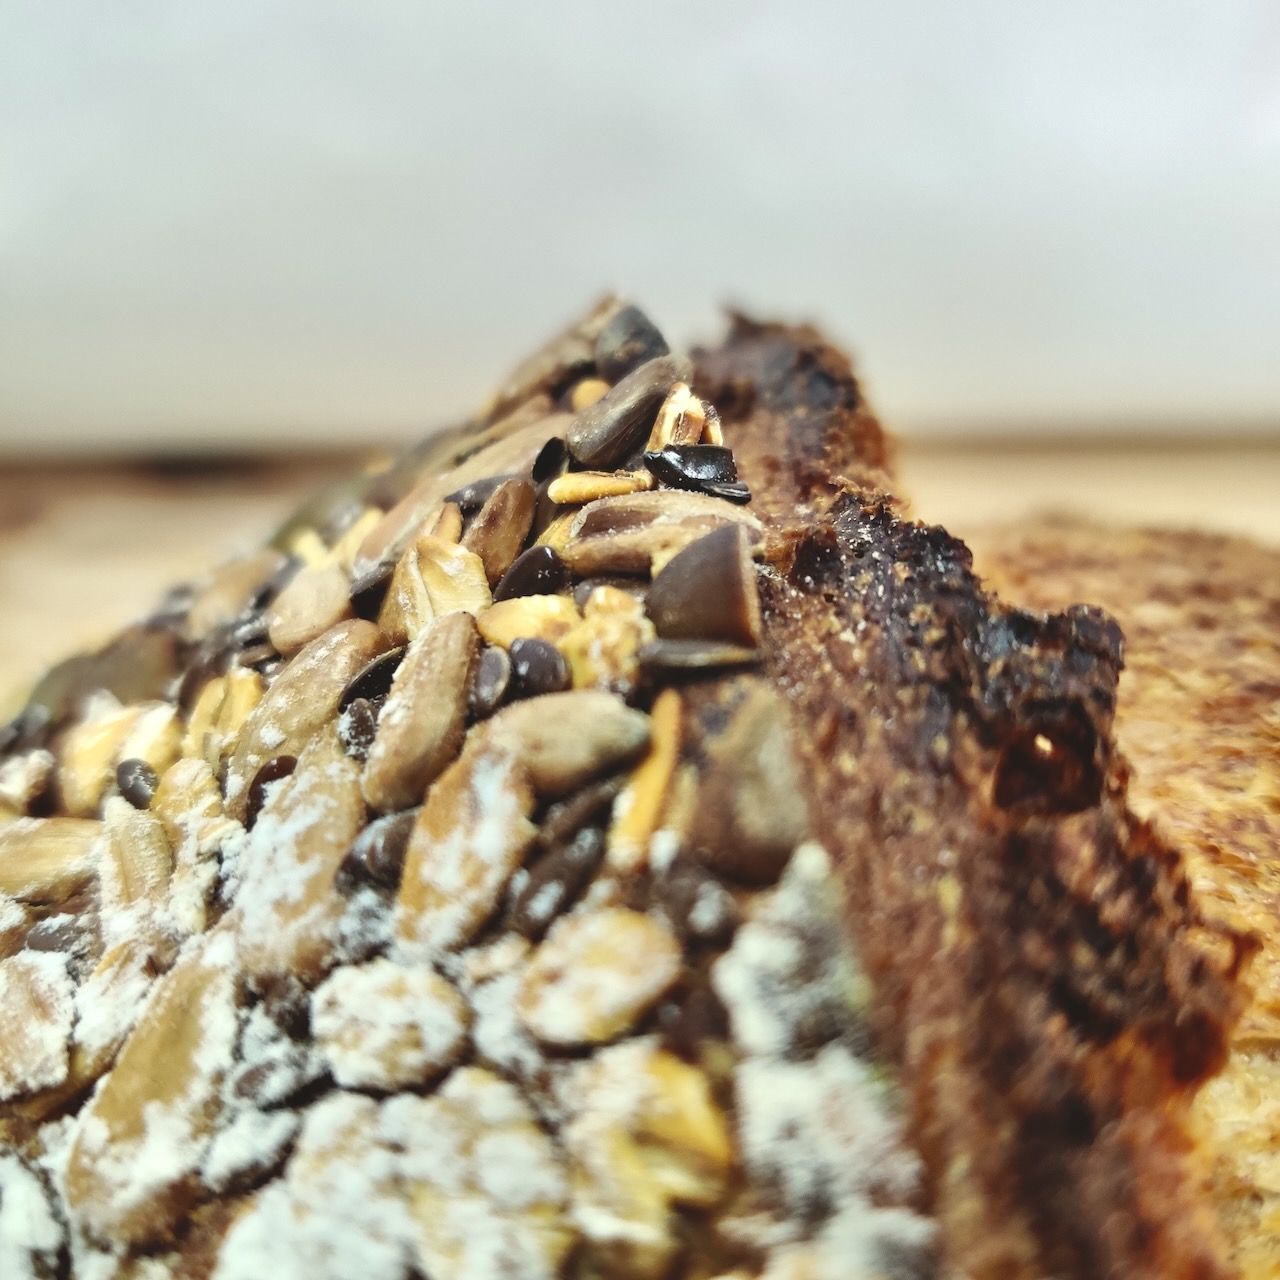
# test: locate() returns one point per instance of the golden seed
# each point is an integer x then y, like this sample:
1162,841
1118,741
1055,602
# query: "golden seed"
88,758
308,546
711,432
556,535
639,807
48,860
447,524
586,393
528,617
586,486
679,421
596,975
312,601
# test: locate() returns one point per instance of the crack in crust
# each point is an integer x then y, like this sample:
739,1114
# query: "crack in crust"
1044,978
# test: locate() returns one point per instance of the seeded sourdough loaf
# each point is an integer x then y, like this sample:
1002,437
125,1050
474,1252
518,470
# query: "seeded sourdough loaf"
612,842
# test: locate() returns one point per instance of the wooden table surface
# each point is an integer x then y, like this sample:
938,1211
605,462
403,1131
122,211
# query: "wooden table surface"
84,549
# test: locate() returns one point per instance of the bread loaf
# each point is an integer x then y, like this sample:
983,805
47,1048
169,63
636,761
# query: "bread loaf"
614,841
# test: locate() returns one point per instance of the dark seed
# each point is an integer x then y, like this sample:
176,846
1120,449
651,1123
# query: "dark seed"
279,1080
544,511
137,782
633,461
139,665
372,681
536,572
550,460
332,523
694,655
564,819
270,669
258,655
700,908
377,855
370,588
247,636
208,660
171,613
708,591
31,728
242,642
554,365
272,771
250,630
735,491
357,727
57,933
492,675
276,583
602,435
690,466
471,497
698,1020
555,880
752,808
287,1003
627,341
537,666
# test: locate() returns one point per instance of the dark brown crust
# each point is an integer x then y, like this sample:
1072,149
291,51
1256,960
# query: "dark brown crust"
1044,979
792,373
1202,615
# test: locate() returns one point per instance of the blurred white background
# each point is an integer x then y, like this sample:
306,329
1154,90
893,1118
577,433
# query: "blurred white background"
254,222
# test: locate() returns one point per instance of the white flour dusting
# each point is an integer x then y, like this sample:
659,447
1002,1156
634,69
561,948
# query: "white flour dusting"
30,1235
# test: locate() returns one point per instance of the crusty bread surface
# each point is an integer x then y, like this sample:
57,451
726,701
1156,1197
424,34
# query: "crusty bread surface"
1199,721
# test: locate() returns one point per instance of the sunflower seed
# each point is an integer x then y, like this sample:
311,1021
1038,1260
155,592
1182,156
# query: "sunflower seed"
751,809
471,497
695,655
610,429
564,740
628,340
302,699
708,592
420,727
500,526
545,616
315,599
